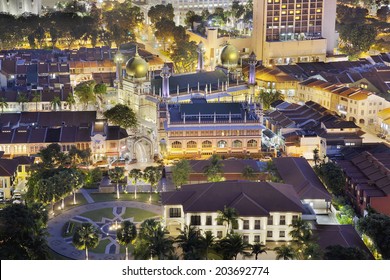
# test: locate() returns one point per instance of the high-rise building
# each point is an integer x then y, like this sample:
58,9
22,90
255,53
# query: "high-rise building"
18,7
286,31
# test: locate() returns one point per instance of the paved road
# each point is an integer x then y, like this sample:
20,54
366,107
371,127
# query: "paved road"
64,246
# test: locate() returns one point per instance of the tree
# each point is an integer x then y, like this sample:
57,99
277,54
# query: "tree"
268,96
23,232
100,90
152,174
126,234
160,12
249,173
181,173
184,55
54,35
122,115
56,103
333,177
135,174
258,249
86,237
153,242
84,92
36,98
357,38
164,31
214,171
284,252
21,99
377,228
189,241
3,104
229,216
232,245
337,252
316,156
207,242
70,100
116,175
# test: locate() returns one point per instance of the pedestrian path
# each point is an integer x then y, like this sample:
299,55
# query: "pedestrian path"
64,246
85,193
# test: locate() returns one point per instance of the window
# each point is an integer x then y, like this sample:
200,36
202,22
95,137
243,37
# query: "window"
191,145
269,233
282,233
270,220
176,145
219,234
246,224
252,143
282,220
257,224
219,223
237,144
195,220
174,212
294,218
208,221
245,238
206,144
222,144
256,239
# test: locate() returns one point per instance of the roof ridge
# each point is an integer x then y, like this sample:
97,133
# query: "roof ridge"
273,185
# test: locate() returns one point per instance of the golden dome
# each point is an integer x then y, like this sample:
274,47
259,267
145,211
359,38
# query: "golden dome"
229,55
137,67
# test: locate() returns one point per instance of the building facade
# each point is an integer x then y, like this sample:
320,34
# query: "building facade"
290,31
18,7
260,219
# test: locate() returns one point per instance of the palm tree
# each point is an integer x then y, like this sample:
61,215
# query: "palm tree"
22,98
249,173
207,242
312,252
153,236
214,171
232,245
36,98
56,102
135,174
301,232
228,216
3,104
86,237
189,241
70,101
152,174
258,249
116,175
284,252
126,234
316,156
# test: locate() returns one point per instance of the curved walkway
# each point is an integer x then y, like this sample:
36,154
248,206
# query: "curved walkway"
62,245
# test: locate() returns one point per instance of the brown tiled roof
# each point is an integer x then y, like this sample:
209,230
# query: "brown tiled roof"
343,235
228,165
297,172
248,198
8,167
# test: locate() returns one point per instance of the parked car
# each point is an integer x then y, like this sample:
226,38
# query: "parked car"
381,135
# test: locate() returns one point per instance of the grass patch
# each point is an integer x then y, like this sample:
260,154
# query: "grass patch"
101,247
96,215
138,214
68,229
141,197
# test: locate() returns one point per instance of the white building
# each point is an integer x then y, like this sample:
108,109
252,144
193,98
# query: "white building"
18,7
265,209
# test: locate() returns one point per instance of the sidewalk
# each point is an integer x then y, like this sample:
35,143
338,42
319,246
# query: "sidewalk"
63,246
86,195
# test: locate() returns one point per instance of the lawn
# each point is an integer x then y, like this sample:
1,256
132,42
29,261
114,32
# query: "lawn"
141,197
80,200
96,215
101,247
138,214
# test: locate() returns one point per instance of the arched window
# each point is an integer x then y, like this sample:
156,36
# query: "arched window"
237,144
176,145
192,145
207,144
252,143
222,144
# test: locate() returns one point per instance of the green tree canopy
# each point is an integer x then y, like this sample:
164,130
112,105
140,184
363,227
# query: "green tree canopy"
214,170
84,92
159,12
86,237
181,172
338,252
122,115
126,234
